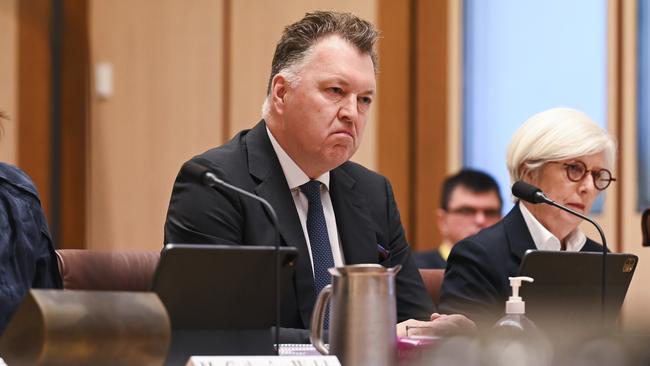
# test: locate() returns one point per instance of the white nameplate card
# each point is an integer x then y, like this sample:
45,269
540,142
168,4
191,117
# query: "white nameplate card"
263,361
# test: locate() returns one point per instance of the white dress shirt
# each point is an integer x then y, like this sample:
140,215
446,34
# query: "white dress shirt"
545,240
295,178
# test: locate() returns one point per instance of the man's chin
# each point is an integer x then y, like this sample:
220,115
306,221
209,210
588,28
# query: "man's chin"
339,155
335,163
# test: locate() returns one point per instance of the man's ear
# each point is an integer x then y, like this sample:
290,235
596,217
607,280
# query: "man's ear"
441,215
279,88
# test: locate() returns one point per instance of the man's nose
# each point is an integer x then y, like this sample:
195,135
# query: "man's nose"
348,110
480,218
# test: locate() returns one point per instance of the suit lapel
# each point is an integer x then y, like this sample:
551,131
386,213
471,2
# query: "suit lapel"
519,238
353,221
273,186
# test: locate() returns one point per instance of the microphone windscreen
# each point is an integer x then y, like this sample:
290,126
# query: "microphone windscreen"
527,192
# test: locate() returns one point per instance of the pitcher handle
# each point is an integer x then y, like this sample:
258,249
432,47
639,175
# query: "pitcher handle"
318,318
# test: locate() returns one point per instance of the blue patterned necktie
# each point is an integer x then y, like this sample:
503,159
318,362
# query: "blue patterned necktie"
321,251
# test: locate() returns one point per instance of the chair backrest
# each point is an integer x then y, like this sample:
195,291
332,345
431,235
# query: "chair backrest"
645,227
432,279
83,269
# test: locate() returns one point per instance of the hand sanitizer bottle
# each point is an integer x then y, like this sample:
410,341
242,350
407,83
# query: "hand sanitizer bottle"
515,339
516,309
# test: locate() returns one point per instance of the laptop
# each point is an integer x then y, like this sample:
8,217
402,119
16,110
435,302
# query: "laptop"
566,291
220,287
220,299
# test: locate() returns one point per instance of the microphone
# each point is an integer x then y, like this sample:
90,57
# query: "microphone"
208,178
528,192
534,195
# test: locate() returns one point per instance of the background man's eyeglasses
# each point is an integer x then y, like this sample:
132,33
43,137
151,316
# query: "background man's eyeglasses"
467,211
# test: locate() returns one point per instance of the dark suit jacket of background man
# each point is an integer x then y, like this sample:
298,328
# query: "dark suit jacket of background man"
366,215
476,279
431,259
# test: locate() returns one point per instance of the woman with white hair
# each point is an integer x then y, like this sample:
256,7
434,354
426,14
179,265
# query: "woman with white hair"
570,158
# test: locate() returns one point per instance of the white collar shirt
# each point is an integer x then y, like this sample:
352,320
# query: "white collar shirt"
295,178
545,240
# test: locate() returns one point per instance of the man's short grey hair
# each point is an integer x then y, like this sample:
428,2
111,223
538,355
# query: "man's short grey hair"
557,134
292,75
296,44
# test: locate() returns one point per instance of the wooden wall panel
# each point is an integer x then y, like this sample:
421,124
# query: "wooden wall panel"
8,80
33,94
637,302
166,107
395,103
74,119
431,115
455,87
611,210
255,32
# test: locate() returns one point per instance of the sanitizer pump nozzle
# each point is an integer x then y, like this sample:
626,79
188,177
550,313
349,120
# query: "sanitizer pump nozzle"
515,304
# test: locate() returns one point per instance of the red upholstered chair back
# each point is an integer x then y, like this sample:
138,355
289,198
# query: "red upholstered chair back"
110,271
432,279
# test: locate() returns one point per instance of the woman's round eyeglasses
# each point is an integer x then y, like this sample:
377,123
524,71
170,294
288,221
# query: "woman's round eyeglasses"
577,170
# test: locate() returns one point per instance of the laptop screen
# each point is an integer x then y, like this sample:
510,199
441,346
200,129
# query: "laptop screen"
567,286
207,286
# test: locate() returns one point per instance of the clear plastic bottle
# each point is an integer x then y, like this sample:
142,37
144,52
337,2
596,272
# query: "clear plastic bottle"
515,317
515,339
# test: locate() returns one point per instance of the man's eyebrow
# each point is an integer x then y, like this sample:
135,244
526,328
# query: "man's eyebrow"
344,82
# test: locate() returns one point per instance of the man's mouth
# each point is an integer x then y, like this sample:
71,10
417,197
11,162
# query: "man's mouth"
342,132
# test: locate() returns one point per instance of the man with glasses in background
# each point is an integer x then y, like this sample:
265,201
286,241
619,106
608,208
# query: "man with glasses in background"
469,202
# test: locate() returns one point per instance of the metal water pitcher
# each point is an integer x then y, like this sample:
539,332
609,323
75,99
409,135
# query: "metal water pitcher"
362,315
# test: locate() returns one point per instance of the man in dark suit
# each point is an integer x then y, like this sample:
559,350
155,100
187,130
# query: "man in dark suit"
334,211
470,201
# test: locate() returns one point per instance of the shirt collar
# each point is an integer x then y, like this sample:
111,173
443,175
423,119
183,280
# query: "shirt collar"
444,249
292,172
545,240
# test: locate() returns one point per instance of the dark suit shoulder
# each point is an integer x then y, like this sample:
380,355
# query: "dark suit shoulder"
246,160
19,181
491,241
592,246
229,157
487,251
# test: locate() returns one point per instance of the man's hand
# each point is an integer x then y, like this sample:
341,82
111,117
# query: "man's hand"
438,326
